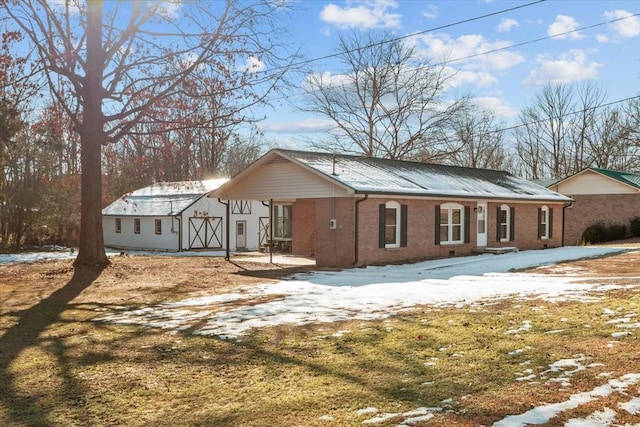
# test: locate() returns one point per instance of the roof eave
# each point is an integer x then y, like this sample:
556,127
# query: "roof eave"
563,199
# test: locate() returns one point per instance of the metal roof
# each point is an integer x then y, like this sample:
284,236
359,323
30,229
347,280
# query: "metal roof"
396,177
624,177
162,198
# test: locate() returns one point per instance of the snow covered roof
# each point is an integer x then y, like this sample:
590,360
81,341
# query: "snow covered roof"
162,198
383,176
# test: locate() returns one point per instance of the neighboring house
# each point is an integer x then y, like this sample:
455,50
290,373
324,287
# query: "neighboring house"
176,216
350,210
600,195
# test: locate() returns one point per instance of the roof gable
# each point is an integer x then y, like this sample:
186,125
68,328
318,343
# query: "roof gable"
623,177
162,198
598,181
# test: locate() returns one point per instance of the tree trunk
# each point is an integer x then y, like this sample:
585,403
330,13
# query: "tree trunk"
91,243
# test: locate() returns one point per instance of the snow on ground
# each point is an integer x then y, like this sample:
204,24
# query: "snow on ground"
366,293
67,253
378,292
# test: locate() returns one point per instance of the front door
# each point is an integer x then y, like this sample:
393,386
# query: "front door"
241,234
481,214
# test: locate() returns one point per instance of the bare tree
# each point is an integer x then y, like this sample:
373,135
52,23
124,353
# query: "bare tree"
123,61
481,138
387,104
547,132
566,130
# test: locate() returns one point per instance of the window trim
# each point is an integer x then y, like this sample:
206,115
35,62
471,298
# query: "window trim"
506,224
510,223
449,208
396,206
158,226
545,228
402,220
136,226
276,208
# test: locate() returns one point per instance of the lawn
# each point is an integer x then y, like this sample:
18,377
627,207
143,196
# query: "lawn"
566,360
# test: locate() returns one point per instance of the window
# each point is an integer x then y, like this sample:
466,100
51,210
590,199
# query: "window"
240,207
545,223
392,225
118,225
506,224
282,222
451,220
136,225
452,224
158,226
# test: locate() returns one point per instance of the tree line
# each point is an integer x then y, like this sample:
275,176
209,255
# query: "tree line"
98,102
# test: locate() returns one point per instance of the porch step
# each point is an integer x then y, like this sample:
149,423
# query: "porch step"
496,251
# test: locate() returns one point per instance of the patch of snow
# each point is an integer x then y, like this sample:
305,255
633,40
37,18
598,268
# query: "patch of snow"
367,411
597,419
632,406
378,420
543,414
621,334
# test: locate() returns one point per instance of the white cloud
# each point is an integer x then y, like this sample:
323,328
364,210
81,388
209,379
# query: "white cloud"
564,24
430,12
366,14
253,64
297,127
628,27
169,8
439,47
456,78
507,24
326,79
499,106
602,38
568,67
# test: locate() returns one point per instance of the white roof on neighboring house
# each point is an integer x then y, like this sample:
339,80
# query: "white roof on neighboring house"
162,198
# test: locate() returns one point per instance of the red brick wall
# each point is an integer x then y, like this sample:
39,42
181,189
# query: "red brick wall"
336,248
526,226
304,227
421,227
591,208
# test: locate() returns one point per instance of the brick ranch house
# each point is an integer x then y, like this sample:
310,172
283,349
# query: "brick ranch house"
353,211
611,197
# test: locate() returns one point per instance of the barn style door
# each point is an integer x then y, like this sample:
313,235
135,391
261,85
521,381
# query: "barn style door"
263,231
205,233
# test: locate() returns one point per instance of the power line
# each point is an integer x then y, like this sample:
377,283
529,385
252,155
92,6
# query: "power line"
549,37
463,58
441,27
571,113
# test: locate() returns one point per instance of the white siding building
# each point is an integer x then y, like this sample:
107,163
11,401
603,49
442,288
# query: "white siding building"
178,216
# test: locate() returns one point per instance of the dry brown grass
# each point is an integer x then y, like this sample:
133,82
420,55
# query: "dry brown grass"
59,367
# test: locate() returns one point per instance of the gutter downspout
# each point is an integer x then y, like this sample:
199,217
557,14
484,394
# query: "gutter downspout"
179,219
566,205
227,228
357,226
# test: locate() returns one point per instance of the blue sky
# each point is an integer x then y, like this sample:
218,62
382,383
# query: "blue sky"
606,54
